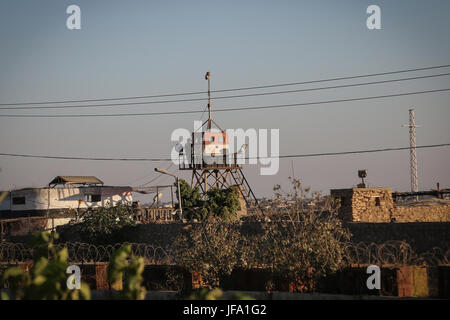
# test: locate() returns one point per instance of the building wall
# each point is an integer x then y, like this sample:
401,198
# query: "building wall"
376,205
66,198
422,236
422,213
365,204
6,202
25,227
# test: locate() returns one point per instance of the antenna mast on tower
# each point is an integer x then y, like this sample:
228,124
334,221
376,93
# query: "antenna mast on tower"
207,76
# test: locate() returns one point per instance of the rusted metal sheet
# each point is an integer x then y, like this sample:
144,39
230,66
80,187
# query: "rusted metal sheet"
101,276
412,281
444,281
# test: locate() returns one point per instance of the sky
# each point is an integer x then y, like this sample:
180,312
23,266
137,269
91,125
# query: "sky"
135,48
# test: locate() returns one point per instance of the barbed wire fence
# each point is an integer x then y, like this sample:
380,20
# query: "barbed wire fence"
87,253
393,253
390,253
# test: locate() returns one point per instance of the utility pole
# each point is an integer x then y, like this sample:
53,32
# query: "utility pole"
207,76
177,180
412,145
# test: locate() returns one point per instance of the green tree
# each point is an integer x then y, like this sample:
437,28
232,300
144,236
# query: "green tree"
103,225
304,243
222,203
47,279
301,244
193,205
210,248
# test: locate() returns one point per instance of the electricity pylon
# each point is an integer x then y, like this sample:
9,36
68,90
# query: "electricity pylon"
412,146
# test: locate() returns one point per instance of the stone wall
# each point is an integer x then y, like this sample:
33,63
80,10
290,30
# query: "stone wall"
365,204
421,213
376,205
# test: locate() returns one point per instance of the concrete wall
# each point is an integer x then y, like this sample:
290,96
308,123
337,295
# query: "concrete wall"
5,204
25,227
421,236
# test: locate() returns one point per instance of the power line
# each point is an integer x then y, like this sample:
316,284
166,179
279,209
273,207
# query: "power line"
220,110
359,151
225,97
155,178
334,79
333,101
246,158
145,177
222,90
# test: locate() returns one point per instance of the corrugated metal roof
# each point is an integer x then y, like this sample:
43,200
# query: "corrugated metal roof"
76,180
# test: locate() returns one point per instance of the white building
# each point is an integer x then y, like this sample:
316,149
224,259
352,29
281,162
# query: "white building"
64,193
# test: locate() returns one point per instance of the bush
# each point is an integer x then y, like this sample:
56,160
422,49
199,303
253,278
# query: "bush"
301,245
308,243
47,279
211,248
223,203
104,225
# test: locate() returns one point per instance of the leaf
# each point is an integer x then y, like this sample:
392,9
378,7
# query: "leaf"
4,296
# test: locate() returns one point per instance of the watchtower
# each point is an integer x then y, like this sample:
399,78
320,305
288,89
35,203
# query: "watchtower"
210,160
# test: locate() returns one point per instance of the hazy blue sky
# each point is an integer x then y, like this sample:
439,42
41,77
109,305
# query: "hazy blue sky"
128,48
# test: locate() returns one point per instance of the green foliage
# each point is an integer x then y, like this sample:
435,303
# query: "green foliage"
103,225
47,279
300,245
193,205
124,265
303,251
210,249
222,203
206,294
241,296
191,196
306,242
216,294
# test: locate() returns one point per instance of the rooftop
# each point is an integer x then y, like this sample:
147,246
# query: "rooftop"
75,180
